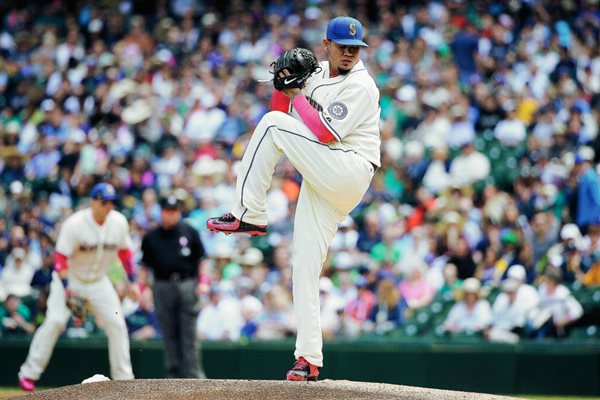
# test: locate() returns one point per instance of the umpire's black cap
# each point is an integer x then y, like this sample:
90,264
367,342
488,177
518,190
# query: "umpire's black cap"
170,203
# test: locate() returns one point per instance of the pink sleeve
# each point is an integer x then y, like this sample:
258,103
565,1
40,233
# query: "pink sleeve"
126,257
60,262
280,102
311,119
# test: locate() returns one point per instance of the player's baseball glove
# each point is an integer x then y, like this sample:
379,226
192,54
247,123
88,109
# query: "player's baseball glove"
300,63
78,306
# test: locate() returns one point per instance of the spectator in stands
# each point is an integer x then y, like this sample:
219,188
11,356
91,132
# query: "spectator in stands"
557,308
511,130
464,46
437,177
281,268
509,252
487,271
590,246
566,255
461,131
253,266
543,233
451,281
588,191
346,237
416,291
142,323
15,316
277,320
460,256
43,163
221,318
433,130
251,309
508,315
511,308
331,303
43,276
16,275
470,166
490,112
388,250
389,311
472,313
147,212
14,165
359,309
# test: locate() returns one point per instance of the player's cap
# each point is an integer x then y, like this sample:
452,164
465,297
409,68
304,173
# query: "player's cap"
170,203
346,31
104,191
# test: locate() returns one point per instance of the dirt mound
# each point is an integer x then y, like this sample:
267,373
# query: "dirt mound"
217,389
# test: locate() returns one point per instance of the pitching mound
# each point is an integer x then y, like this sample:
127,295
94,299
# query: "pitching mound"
217,389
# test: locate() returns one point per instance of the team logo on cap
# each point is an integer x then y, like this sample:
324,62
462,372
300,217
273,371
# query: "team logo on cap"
338,110
352,28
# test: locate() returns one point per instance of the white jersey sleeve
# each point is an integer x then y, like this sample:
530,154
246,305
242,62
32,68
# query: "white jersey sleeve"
125,241
68,239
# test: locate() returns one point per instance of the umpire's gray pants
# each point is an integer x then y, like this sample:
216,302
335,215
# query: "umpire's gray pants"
177,312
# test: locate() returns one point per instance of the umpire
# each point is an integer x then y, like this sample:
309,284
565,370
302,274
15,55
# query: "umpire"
173,252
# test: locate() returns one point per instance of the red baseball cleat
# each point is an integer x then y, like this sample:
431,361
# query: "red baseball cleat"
303,371
230,224
27,384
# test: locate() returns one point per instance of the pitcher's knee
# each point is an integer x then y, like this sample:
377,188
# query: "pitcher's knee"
275,118
274,115
55,324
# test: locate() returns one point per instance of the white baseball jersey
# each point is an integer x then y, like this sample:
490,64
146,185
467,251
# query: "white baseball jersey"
89,247
335,175
348,106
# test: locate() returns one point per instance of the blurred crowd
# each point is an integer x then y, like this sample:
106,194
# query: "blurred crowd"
487,201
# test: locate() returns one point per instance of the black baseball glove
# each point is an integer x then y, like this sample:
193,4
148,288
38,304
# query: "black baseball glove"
300,63
78,306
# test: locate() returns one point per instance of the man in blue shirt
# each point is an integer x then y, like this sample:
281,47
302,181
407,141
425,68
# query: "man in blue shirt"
588,191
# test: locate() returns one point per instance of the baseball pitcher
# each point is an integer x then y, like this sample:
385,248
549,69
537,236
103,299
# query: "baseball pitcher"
326,122
88,242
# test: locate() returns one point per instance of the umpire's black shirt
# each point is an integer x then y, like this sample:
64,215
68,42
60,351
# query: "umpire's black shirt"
172,254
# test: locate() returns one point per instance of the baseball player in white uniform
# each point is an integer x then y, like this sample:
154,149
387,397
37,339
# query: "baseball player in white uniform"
88,242
329,130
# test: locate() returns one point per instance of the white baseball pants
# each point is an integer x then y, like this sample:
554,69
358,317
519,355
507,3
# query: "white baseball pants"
335,179
106,307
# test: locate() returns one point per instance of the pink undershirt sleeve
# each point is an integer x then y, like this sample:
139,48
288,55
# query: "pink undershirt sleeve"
280,102
126,257
311,119
60,262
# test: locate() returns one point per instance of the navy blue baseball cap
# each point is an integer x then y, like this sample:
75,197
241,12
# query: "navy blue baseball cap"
104,191
346,31
170,203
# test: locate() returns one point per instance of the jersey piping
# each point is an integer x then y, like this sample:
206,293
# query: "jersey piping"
258,147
